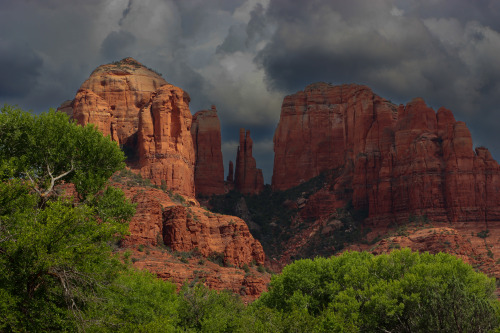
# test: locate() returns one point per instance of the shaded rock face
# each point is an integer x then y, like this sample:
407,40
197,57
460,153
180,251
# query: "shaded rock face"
247,178
147,116
209,168
392,161
230,173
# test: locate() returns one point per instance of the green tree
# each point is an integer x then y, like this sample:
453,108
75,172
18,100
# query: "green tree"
48,148
205,310
402,291
137,301
55,250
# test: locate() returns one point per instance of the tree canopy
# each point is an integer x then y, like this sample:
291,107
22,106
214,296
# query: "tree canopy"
55,249
402,291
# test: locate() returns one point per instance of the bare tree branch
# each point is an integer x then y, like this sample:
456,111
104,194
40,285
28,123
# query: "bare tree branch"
54,179
35,187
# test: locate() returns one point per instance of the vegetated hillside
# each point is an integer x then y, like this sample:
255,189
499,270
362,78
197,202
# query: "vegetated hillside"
285,224
176,239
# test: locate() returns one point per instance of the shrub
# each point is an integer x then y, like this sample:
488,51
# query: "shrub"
483,233
217,258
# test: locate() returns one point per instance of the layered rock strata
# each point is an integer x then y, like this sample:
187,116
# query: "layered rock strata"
148,117
247,178
209,168
112,97
392,161
164,143
160,221
195,237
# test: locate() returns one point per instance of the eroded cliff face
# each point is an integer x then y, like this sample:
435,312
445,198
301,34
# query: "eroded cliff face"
177,240
112,97
164,144
247,178
147,116
391,161
209,169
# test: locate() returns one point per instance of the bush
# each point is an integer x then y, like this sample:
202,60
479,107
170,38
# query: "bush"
483,233
217,258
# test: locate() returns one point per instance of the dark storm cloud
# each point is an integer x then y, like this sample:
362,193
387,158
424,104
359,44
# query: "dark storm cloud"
200,15
117,45
19,69
443,51
126,11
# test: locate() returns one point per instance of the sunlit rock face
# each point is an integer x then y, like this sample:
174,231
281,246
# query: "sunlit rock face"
149,118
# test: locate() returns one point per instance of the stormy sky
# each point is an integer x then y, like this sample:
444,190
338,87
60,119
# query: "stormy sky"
244,56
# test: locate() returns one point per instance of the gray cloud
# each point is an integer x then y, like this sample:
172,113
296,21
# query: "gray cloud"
117,45
125,12
19,67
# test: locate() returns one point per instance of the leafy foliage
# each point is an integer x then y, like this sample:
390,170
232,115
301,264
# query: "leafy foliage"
135,302
48,149
55,252
398,292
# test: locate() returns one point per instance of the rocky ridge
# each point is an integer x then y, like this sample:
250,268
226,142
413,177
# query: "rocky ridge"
390,162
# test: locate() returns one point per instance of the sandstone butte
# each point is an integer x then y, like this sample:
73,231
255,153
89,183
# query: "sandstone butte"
209,169
391,161
147,116
247,178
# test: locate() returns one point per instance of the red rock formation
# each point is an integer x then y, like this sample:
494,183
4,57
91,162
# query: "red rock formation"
150,118
159,221
248,179
165,147
392,161
168,266
185,229
112,97
209,169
